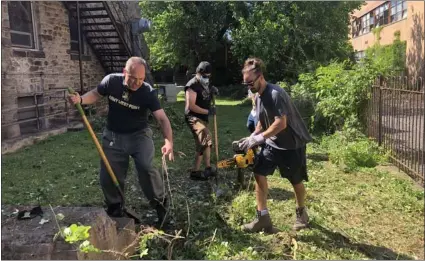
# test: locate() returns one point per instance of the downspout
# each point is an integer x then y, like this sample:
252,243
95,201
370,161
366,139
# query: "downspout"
80,48
138,27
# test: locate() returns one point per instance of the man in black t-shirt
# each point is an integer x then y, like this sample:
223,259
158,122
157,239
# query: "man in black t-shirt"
283,136
198,93
127,133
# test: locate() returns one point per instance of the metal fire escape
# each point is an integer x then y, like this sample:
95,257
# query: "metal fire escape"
108,30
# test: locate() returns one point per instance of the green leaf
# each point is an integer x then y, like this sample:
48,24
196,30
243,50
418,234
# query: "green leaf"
76,233
144,252
60,216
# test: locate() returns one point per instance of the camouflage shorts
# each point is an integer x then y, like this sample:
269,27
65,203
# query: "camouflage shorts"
201,134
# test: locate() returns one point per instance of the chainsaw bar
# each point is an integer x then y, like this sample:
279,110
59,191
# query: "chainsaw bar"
239,160
228,163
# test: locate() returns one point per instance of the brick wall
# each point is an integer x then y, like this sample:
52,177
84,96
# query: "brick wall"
27,72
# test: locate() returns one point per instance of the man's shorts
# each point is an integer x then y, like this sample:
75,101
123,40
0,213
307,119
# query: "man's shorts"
292,164
201,134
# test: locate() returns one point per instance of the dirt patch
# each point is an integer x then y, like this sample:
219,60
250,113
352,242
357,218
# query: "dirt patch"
33,238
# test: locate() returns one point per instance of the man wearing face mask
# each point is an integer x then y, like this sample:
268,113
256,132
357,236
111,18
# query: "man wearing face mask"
283,136
198,93
128,134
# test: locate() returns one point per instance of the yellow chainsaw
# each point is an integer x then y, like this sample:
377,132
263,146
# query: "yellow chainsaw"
239,160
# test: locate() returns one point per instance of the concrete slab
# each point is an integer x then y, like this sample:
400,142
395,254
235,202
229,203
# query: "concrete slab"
30,240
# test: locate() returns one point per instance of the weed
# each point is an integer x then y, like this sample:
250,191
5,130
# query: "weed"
350,151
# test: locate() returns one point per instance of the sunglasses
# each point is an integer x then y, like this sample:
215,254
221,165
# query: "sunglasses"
251,83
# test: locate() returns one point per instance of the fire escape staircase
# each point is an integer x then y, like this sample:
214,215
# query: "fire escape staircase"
107,29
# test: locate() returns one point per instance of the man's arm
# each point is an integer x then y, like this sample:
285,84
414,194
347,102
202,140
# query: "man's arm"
165,124
278,125
191,97
90,97
258,128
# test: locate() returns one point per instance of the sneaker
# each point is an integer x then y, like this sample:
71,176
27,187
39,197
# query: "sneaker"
302,219
210,172
198,175
260,223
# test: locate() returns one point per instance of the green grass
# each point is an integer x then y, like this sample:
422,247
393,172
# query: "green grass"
366,214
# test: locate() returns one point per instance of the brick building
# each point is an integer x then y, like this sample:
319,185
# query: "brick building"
407,17
41,56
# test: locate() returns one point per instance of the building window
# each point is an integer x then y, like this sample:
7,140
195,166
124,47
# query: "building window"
359,55
366,23
355,28
398,10
21,19
73,31
382,14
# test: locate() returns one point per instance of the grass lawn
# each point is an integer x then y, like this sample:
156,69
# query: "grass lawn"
370,214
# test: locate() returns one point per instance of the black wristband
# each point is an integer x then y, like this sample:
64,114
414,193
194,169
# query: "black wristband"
81,100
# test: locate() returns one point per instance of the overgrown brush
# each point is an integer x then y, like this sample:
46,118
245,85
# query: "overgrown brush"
351,150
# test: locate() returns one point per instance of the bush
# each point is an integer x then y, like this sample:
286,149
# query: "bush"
176,117
336,95
351,150
236,91
98,123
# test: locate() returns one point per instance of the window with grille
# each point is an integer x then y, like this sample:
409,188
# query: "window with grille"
398,10
21,24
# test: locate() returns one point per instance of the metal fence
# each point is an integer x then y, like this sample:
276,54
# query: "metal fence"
396,120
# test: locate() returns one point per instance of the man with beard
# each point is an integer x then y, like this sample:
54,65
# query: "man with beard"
282,135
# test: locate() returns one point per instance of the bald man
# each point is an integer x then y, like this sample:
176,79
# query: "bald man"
127,134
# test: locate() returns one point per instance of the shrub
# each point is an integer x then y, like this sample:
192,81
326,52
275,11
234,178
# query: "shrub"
98,123
236,91
351,150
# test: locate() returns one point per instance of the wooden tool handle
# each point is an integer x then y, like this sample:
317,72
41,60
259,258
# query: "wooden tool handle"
96,142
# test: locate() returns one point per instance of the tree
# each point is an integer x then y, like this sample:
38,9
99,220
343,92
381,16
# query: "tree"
294,37
185,33
291,37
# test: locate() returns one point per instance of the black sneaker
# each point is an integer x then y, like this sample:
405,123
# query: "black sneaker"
198,175
210,172
115,210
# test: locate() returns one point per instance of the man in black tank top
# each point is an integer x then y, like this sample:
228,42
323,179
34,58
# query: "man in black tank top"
198,93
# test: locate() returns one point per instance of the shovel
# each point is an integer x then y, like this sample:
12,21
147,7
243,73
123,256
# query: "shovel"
129,213
218,191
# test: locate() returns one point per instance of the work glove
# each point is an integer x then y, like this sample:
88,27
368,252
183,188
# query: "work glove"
252,141
236,145
214,90
211,111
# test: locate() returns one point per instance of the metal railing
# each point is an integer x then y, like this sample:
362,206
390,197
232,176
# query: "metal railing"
119,13
396,120
119,17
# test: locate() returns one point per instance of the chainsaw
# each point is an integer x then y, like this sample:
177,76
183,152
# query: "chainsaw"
239,160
